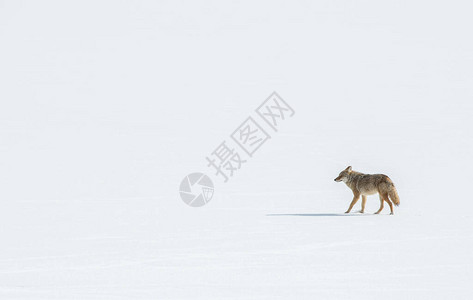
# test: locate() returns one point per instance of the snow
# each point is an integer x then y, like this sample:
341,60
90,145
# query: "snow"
105,107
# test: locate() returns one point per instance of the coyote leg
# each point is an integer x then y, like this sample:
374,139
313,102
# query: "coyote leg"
381,206
355,199
363,203
386,198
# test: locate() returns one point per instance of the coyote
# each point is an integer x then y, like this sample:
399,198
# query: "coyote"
369,184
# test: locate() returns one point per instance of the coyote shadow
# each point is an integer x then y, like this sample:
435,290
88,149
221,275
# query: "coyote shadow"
316,215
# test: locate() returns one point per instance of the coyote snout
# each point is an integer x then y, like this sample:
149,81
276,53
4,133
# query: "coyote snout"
369,184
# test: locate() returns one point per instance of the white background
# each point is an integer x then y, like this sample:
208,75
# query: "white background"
105,106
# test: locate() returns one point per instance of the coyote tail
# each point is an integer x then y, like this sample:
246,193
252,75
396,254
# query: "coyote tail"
394,196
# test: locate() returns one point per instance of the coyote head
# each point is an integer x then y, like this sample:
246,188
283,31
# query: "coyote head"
343,175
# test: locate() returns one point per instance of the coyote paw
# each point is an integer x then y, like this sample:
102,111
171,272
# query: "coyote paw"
376,213
361,211
347,212
392,214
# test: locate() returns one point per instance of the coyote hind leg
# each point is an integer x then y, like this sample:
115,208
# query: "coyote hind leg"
386,198
381,206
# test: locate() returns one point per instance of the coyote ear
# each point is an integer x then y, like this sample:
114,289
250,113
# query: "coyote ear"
348,169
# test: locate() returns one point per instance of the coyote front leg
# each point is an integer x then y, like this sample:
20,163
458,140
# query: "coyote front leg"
363,203
356,196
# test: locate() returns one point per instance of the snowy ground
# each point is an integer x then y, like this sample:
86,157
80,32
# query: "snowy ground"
131,249
106,106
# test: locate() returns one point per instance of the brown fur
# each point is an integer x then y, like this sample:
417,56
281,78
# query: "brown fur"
369,184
